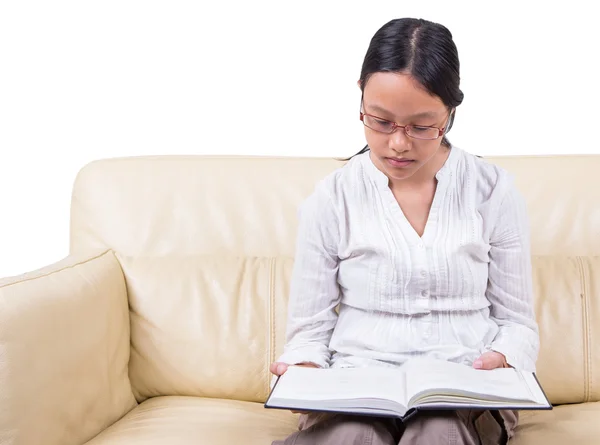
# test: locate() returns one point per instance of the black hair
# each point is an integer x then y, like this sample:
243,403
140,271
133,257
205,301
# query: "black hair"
423,49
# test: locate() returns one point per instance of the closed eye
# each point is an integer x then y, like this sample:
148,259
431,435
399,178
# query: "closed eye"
421,128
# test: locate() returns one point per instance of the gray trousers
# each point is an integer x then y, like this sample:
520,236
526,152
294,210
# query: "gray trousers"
461,427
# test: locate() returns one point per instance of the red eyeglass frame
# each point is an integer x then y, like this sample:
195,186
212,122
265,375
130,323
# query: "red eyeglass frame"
396,126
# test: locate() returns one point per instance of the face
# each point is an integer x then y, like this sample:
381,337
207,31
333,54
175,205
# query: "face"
401,99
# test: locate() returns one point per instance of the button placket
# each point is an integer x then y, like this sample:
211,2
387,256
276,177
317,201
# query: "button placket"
420,285
421,272
428,326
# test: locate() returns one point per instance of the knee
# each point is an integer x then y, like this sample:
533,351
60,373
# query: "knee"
350,427
436,428
359,430
441,426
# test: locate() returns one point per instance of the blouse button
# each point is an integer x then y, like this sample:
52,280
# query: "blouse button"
424,293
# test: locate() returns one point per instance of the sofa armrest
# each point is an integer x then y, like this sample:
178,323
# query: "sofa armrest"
64,352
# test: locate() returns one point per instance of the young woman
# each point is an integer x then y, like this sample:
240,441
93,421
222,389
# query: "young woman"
423,247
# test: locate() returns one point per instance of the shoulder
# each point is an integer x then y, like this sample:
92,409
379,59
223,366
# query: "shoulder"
339,182
497,199
327,202
490,180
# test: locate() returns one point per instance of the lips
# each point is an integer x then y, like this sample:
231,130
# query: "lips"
399,162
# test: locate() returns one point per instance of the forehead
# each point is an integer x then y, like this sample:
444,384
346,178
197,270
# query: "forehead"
401,95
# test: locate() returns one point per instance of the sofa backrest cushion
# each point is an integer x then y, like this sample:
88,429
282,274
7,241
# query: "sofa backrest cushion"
192,231
567,305
205,326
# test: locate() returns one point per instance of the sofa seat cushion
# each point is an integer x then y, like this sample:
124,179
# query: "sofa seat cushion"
193,420
577,424
175,420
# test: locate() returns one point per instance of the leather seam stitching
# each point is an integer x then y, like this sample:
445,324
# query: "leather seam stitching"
588,330
586,333
52,272
272,345
590,336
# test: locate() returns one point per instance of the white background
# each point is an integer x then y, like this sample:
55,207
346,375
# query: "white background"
82,80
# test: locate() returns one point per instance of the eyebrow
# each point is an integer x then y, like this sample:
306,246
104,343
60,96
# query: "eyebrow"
424,114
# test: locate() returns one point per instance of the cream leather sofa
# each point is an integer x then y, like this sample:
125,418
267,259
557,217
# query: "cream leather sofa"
160,325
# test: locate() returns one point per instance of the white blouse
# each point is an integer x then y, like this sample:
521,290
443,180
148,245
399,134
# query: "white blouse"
462,289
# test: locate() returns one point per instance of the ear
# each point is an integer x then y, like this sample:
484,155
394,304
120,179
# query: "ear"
359,83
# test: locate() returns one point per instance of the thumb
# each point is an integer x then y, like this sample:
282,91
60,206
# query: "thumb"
278,368
486,361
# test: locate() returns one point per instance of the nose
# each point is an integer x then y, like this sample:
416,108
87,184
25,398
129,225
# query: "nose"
399,141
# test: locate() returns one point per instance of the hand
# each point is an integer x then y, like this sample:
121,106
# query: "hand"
491,360
280,368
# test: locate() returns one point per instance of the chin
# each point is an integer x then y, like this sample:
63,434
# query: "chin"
404,172
400,175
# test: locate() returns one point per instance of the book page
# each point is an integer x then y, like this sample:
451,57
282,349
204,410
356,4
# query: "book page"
437,376
308,384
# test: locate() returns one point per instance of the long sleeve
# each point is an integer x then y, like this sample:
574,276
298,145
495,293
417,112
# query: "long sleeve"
510,288
314,291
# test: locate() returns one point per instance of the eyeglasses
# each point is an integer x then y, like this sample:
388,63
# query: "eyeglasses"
414,131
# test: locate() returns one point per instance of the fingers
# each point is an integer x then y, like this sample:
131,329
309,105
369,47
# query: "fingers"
479,364
278,368
489,360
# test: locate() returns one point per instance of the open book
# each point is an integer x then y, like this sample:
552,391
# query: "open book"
419,384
